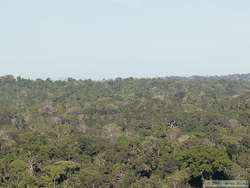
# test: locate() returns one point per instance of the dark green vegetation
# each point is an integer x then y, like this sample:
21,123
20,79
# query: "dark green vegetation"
124,132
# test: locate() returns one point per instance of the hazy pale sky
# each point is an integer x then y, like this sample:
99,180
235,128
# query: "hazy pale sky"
122,38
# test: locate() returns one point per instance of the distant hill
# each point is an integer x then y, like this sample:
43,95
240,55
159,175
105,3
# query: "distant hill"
245,77
237,77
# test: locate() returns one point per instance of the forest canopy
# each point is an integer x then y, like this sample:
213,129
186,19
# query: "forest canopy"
136,133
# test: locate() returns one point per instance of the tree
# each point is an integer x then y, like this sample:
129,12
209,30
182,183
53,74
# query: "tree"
59,171
205,161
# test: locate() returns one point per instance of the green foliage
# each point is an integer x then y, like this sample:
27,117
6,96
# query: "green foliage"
92,177
61,167
18,166
160,132
205,161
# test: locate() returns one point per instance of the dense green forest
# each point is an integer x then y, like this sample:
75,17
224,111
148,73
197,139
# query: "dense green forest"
121,133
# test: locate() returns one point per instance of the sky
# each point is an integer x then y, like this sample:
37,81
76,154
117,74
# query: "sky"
102,39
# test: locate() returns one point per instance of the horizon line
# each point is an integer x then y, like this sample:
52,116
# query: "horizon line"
124,78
